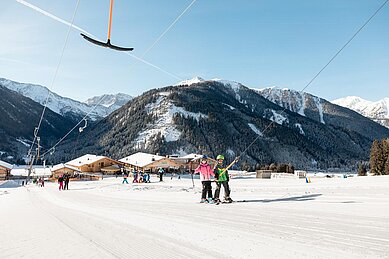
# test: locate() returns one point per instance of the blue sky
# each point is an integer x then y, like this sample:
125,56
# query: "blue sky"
258,43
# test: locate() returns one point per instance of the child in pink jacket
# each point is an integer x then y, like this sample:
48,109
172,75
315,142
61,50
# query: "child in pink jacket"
206,172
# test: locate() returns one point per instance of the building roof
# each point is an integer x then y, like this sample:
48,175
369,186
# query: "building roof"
36,171
5,164
61,166
164,163
190,156
141,159
85,160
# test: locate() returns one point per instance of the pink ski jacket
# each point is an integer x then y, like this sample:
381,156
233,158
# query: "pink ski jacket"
205,171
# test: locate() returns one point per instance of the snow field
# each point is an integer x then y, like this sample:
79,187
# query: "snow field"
280,218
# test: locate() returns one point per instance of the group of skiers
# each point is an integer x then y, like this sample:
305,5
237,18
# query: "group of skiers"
40,182
139,177
63,181
219,174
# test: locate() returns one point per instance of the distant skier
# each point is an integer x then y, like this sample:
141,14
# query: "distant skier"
161,172
205,171
222,178
66,180
146,178
60,181
41,182
135,175
140,177
125,176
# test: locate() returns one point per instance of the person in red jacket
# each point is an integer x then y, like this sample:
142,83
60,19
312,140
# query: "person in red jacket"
206,172
60,181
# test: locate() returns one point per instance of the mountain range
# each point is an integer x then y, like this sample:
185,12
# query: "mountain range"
219,116
201,116
111,101
19,116
68,107
377,111
22,104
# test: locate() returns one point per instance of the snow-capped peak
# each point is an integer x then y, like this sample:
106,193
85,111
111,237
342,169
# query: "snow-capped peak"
192,81
374,110
110,101
55,102
295,101
234,85
351,101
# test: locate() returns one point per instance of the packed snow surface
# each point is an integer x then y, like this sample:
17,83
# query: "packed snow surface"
281,218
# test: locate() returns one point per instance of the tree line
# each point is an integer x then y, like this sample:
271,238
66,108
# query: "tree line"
379,157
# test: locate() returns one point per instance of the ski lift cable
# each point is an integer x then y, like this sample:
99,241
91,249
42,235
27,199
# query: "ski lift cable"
55,76
168,28
52,16
321,70
159,38
135,57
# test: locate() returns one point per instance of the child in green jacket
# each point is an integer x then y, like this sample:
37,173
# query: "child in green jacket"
222,178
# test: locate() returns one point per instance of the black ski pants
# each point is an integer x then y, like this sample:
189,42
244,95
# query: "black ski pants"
66,187
226,187
207,189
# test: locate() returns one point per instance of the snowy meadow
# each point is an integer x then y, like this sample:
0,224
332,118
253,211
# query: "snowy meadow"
271,218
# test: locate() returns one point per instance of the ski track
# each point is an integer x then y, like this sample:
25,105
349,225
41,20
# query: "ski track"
164,220
142,239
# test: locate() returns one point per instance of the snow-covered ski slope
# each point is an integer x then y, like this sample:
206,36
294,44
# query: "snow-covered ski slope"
281,218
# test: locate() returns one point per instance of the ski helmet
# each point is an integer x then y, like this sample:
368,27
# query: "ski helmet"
220,157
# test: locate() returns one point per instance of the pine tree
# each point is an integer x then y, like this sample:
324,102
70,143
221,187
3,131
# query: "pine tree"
385,153
361,170
386,167
376,158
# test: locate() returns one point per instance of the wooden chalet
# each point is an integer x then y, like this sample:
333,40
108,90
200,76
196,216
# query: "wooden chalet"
5,170
145,161
92,163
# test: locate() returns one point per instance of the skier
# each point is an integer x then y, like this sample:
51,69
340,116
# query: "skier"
66,179
146,177
140,177
221,178
161,172
42,182
135,175
205,171
125,175
60,181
